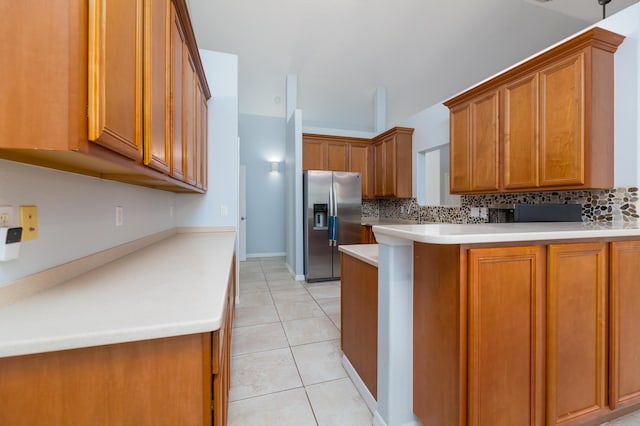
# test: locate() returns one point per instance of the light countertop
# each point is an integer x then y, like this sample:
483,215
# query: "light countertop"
174,287
366,252
505,232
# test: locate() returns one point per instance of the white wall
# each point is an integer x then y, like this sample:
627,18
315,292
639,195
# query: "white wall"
221,70
432,124
262,140
431,130
76,215
627,95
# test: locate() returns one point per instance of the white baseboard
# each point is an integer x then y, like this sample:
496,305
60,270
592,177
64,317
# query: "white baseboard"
293,274
361,387
378,420
278,254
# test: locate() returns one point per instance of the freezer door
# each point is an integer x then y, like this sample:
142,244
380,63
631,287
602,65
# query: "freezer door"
318,255
348,192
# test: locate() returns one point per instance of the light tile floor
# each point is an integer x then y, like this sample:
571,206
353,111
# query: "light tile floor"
286,357
286,363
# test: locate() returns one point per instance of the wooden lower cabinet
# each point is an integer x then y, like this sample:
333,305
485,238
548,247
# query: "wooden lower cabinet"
182,380
367,236
576,332
152,382
624,317
538,334
506,336
359,323
221,364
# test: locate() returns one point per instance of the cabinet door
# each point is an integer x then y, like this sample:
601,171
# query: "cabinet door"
360,161
359,307
576,332
379,170
157,85
337,157
314,155
562,100
389,181
189,121
203,144
178,55
460,148
520,127
506,323
624,373
484,143
115,75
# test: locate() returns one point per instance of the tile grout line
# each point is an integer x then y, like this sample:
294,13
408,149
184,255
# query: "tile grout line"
290,347
295,361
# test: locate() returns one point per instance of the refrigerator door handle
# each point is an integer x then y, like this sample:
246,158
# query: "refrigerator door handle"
331,222
335,215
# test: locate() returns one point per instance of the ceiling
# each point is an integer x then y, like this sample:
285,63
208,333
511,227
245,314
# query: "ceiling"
420,51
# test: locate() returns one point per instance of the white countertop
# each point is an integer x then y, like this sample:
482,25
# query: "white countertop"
366,252
174,287
505,232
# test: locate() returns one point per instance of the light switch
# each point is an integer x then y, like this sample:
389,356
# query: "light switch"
29,222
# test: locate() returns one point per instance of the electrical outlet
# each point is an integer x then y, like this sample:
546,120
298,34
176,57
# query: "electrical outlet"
6,213
483,212
475,212
29,222
119,216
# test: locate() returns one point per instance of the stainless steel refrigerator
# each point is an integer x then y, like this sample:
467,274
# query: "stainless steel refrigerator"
332,217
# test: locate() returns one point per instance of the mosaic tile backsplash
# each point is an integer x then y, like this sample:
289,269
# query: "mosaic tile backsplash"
615,205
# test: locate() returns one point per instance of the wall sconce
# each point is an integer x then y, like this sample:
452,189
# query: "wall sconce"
275,167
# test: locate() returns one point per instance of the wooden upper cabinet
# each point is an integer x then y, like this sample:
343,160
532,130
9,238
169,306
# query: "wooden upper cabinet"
202,123
506,323
392,163
378,171
520,130
157,85
115,75
460,148
105,73
314,155
474,145
484,143
385,167
384,162
361,161
624,316
189,108
178,56
390,166
577,332
562,103
551,119
337,156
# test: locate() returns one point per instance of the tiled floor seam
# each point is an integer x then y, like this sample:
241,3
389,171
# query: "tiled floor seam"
270,393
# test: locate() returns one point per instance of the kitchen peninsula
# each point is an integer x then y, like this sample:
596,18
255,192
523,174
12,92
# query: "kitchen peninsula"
505,324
